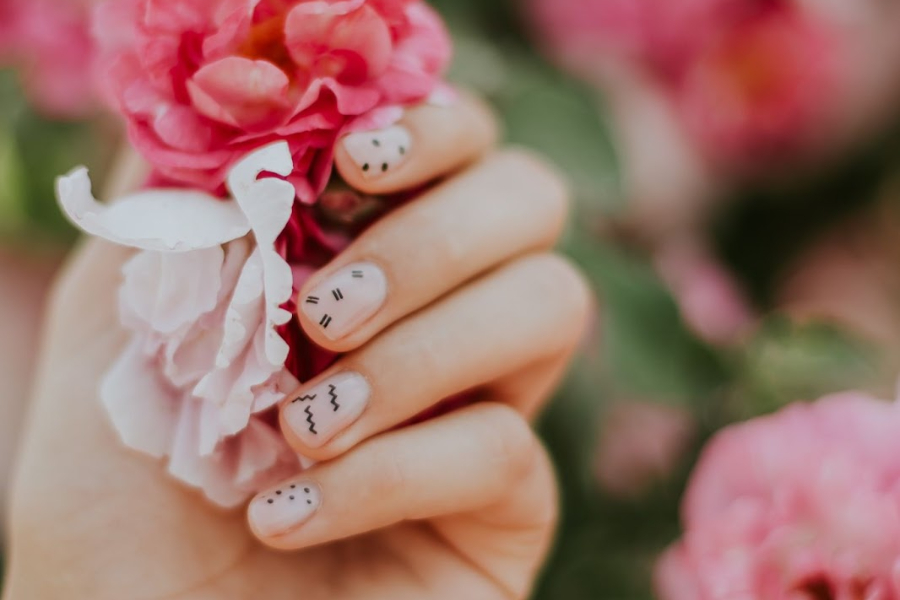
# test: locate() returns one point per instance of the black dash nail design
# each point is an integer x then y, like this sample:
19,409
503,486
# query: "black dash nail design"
376,143
312,300
338,294
357,274
402,150
325,322
384,167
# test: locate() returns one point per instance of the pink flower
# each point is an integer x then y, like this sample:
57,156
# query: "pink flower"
208,299
755,95
203,82
752,83
49,41
640,443
800,505
709,298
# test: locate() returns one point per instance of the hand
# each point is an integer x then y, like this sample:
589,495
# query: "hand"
457,293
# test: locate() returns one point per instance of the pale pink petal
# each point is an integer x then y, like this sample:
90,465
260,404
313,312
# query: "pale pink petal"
164,292
158,220
143,409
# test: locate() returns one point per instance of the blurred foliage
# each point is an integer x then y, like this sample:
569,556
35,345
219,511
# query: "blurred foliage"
33,152
641,349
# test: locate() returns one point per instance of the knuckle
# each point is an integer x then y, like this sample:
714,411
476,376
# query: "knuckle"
563,284
545,185
513,444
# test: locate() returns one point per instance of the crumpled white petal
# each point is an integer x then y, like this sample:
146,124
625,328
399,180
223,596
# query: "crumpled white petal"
143,409
206,358
160,220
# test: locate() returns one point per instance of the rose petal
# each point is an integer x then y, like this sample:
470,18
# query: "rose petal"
159,220
241,92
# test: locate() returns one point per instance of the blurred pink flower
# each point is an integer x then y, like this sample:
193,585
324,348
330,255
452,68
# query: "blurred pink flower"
755,95
639,444
800,505
709,298
753,84
203,82
49,42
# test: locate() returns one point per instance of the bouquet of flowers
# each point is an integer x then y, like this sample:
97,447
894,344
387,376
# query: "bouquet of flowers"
237,106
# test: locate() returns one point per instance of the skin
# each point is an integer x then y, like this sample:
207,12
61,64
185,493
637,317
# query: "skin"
461,506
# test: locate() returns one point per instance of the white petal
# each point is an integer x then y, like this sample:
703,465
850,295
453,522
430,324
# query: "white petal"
160,220
165,292
142,408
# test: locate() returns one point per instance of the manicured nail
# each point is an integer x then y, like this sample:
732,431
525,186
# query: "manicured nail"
284,508
346,299
318,414
377,152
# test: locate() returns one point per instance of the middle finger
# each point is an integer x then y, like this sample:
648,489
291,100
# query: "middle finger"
508,205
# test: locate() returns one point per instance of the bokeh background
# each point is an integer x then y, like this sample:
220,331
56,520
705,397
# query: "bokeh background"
736,176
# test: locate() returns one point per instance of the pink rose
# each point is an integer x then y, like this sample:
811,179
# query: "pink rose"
203,82
49,41
799,505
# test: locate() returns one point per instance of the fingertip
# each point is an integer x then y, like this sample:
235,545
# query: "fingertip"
429,142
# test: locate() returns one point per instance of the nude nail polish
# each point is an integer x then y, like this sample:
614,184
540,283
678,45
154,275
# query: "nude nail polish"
345,300
378,152
284,508
317,414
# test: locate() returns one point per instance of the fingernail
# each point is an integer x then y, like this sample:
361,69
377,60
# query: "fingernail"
346,299
284,508
318,414
377,152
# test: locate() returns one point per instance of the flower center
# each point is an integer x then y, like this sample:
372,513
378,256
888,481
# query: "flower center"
266,42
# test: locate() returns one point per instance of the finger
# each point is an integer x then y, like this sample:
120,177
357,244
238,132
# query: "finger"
429,142
529,312
508,205
460,463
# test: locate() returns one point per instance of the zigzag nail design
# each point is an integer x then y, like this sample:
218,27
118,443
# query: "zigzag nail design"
309,418
334,398
320,412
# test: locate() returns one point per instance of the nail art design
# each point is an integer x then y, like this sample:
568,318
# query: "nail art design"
377,152
322,412
284,508
346,299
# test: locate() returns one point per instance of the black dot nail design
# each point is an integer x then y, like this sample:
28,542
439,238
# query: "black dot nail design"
384,167
366,167
376,143
307,491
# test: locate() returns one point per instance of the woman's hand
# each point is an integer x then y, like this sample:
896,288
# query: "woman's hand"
453,292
